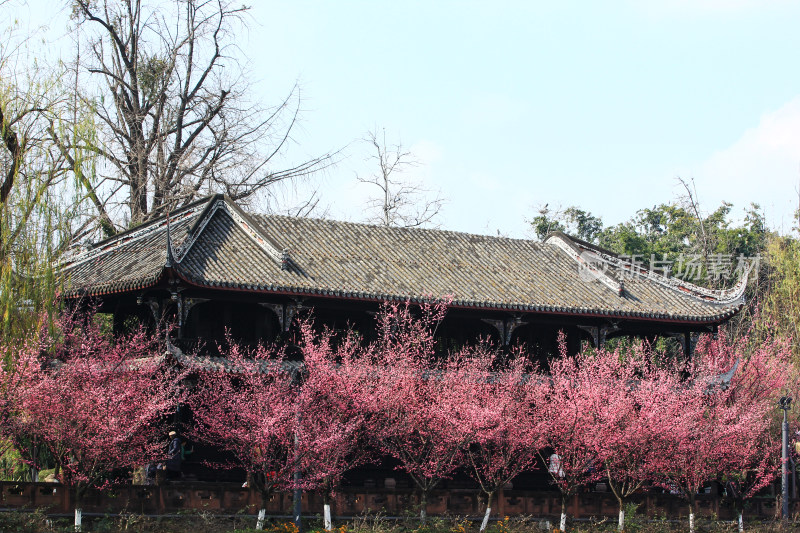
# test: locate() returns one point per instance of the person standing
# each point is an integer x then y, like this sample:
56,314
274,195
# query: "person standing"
174,456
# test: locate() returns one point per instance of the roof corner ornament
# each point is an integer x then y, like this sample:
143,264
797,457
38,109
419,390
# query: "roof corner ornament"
285,259
723,381
736,293
170,252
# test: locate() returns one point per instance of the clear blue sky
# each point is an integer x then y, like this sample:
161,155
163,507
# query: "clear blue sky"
513,105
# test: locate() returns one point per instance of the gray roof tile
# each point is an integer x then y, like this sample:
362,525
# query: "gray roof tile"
217,245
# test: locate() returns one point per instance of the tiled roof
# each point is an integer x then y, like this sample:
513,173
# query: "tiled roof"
215,244
131,260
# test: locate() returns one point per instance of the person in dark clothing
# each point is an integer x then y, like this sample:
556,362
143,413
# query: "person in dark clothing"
174,456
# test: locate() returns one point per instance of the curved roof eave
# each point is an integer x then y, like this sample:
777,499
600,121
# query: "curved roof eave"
462,304
576,248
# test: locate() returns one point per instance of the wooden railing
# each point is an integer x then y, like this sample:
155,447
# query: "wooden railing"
232,498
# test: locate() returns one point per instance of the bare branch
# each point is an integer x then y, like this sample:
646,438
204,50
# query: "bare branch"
173,116
401,202
691,200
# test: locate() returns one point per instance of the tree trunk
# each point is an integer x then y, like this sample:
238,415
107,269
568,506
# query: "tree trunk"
423,507
262,513
563,525
78,505
34,470
298,501
15,151
621,522
691,514
488,512
741,522
327,522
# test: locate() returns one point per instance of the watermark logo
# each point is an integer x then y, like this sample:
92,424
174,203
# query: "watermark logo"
591,267
692,268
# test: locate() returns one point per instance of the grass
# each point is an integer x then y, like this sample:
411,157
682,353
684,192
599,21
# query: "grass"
199,522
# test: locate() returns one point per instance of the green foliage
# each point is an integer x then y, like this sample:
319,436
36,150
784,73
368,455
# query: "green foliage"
573,221
42,208
12,466
105,322
28,284
668,230
24,521
780,298
633,521
670,235
27,281
153,74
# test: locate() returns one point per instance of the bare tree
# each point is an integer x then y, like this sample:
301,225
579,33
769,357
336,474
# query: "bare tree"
402,202
171,105
692,204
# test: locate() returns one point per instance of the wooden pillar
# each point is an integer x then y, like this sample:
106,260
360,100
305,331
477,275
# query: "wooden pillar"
688,343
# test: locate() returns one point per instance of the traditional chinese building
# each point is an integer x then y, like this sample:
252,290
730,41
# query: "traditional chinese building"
210,267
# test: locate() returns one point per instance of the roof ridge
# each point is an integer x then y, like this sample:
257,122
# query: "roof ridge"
719,296
240,218
566,244
396,228
152,221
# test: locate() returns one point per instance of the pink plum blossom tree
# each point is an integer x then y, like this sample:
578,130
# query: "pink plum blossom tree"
628,393
418,412
508,395
94,402
565,420
332,432
713,429
250,409
761,376
278,417
13,376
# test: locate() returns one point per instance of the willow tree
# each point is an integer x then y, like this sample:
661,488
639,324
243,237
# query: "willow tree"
780,301
36,194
